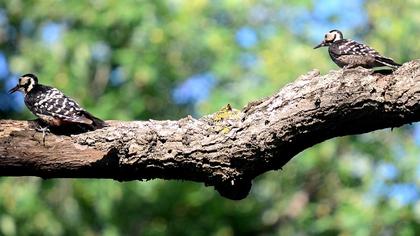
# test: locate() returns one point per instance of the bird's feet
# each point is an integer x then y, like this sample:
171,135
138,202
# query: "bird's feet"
44,131
349,66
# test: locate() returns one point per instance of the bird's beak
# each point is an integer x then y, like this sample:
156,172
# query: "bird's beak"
16,88
322,44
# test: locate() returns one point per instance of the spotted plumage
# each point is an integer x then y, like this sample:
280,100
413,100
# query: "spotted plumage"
52,106
348,53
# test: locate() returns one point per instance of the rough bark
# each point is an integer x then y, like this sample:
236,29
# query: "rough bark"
228,148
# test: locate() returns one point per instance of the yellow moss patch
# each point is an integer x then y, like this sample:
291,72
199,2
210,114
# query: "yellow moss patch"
224,118
227,113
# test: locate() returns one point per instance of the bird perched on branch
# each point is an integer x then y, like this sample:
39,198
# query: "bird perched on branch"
52,106
347,53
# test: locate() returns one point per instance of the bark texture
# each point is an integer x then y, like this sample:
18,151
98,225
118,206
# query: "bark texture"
226,149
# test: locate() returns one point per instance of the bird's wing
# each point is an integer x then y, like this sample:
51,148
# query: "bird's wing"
351,47
55,104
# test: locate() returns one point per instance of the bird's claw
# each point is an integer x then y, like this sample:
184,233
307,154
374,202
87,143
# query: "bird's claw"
44,131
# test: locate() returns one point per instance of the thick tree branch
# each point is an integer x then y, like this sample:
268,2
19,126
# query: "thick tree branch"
226,149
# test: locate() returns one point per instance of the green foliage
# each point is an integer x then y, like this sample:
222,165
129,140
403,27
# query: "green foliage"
151,47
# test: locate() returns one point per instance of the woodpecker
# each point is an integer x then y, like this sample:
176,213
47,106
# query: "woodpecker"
52,106
347,53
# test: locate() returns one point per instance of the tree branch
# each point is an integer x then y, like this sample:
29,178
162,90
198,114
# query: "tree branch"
226,149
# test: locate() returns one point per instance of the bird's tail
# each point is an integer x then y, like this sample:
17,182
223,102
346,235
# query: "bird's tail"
387,62
96,122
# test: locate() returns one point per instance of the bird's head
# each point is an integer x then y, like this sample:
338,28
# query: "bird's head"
26,83
329,38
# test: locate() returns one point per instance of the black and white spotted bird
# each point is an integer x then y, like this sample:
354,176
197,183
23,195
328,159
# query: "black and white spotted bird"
348,53
52,106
